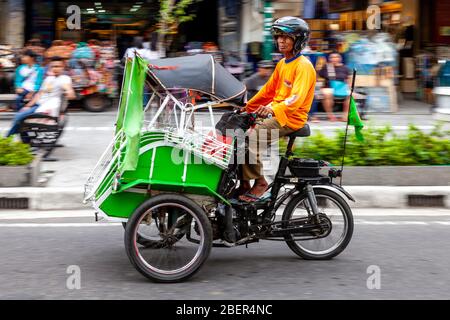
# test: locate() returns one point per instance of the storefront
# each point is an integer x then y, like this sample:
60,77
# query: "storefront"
118,21
374,50
113,20
12,15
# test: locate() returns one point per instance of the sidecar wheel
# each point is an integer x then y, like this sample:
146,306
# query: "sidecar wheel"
149,243
175,258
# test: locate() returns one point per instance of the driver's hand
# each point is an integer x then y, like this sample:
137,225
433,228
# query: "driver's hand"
264,111
242,109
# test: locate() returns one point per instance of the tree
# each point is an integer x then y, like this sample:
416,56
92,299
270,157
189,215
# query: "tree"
171,14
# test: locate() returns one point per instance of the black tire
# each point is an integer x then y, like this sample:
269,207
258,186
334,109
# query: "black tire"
202,223
296,246
96,102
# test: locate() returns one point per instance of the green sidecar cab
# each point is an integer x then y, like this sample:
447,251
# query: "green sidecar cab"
163,165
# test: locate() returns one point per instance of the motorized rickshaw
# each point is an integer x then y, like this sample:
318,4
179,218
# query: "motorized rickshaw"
173,185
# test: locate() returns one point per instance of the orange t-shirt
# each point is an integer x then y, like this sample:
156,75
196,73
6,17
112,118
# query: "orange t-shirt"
290,89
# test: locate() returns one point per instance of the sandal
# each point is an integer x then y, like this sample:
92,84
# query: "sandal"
254,198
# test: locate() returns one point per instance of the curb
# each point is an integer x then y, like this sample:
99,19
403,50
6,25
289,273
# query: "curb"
366,196
47,198
394,196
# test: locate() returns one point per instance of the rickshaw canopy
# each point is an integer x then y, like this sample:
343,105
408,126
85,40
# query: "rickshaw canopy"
199,72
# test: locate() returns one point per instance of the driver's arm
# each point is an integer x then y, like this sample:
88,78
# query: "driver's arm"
266,94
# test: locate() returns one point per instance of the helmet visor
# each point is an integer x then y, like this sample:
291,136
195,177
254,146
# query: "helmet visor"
282,31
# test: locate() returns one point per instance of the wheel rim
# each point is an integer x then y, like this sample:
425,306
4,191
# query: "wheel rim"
95,102
339,220
171,255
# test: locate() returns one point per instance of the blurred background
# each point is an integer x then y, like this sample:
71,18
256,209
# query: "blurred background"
399,175
407,56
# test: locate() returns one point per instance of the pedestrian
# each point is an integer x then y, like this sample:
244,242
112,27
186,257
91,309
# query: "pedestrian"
138,46
58,49
146,54
337,82
255,82
312,112
28,78
49,98
37,48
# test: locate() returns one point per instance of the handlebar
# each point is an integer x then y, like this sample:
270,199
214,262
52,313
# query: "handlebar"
254,114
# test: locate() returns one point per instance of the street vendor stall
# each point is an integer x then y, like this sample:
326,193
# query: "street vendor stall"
376,59
92,69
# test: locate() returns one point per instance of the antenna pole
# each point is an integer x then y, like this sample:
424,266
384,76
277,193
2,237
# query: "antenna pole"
346,127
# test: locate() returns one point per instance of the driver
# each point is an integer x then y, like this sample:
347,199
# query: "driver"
287,96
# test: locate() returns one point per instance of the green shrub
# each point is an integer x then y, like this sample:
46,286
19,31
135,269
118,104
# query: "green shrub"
14,153
382,147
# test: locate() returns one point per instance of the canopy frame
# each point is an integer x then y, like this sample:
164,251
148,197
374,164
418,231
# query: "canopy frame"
186,109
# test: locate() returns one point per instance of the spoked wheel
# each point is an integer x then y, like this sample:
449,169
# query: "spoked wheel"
155,242
96,102
148,236
334,210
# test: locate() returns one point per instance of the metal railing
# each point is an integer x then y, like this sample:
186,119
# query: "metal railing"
109,159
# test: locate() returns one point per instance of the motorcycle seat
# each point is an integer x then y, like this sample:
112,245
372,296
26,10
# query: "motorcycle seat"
302,132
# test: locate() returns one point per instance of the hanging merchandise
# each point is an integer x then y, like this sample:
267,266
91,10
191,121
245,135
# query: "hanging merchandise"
92,72
366,54
376,59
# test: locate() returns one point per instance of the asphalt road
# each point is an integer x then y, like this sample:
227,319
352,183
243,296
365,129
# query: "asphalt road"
411,253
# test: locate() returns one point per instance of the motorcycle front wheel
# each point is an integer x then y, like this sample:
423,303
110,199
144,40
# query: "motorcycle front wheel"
339,215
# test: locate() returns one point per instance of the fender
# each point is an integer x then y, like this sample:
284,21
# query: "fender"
333,187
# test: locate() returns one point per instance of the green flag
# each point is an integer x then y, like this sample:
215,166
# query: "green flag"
131,113
123,98
355,120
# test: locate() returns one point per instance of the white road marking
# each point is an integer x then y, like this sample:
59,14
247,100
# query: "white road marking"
114,224
398,223
319,127
363,212
445,223
374,127
375,222
360,214
57,225
45,215
413,222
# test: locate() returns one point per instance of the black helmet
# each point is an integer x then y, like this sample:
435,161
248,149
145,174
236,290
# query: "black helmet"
294,27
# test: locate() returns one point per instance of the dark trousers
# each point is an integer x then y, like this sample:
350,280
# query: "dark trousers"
20,99
20,115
